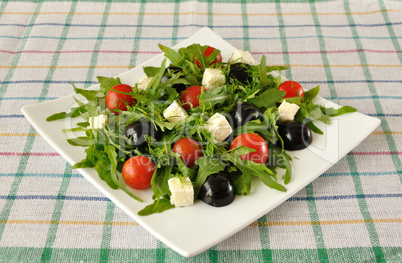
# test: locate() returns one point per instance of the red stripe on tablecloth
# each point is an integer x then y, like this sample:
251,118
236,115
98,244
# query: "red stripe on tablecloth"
26,154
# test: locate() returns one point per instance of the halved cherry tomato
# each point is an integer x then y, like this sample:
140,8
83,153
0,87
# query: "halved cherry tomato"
116,100
137,172
189,150
189,97
292,89
207,53
255,142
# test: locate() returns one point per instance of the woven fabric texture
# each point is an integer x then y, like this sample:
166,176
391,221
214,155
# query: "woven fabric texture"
352,49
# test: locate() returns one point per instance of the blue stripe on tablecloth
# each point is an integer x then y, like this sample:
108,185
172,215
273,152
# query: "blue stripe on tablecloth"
202,25
54,197
98,198
40,175
301,82
182,38
80,176
13,116
340,98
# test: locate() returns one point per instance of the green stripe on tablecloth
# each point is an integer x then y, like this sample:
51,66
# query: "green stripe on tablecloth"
138,31
375,242
377,103
3,7
264,240
106,235
391,30
51,235
56,56
21,47
210,14
160,255
321,250
60,255
176,18
107,232
397,47
286,59
319,238
98,43
324,56
30,140
351,159
246,35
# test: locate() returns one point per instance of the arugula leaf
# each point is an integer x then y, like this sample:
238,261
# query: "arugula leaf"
241,181
74,112
265,127
207,165
214,96
312,127
99,160
252,168
262,70
158,206
312,93
107,84
157,78
83,141
336,112
170,54
151,71
196,51
278,158
159,181
268,98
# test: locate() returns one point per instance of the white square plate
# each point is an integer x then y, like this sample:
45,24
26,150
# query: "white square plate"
191,230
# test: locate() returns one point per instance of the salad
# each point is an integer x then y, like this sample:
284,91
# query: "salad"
196,128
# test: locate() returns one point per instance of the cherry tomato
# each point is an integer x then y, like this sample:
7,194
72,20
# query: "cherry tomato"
255,142
207,53
116,100
137,172
189,97
189,150
292,89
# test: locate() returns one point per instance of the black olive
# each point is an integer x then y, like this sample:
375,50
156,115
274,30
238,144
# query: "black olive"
295,135
240,71
218,190
244,113
136,131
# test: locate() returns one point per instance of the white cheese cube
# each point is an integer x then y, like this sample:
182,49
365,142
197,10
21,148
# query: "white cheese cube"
212,77
143,83
287,111
175,113
182,191
219,127
241,56
97,122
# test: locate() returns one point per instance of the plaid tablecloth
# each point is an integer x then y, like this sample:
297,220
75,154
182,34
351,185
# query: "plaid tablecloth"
352,49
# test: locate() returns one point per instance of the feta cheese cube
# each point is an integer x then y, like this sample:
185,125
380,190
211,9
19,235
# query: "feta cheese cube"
182,191
97,122
143,83
242,57
287,111
212,77
219,127
175,113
